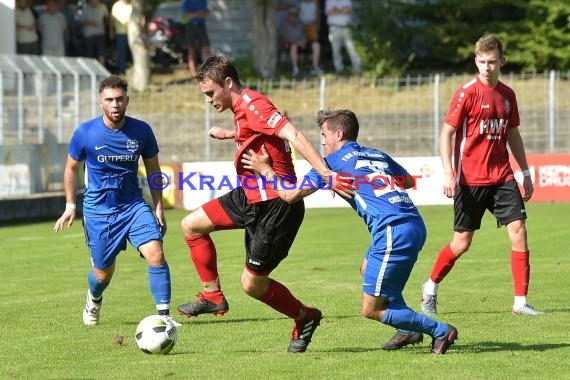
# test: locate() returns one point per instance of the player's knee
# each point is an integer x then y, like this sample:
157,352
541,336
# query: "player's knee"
187,225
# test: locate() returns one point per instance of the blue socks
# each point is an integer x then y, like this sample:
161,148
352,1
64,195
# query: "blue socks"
405,319
159,283
95,287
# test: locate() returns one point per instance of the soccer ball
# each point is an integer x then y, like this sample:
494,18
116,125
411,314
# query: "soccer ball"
156,335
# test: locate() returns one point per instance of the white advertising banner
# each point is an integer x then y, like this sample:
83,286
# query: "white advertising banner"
203,181
14,180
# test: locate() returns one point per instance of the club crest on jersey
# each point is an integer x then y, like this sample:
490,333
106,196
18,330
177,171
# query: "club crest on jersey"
132,145
507,106
274,119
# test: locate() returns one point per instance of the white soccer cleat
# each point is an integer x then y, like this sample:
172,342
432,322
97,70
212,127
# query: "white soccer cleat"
429,303
169,319
91,311
527,309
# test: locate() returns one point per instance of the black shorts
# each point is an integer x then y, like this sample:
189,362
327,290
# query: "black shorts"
196,36
504,201
270,228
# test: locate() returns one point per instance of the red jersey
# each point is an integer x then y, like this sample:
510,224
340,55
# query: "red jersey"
257,122
482,116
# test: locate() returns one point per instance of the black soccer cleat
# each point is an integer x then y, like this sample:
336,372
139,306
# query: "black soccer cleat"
203,306
300,338
401,339
440,345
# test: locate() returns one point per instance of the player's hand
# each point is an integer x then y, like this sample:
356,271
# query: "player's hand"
67,217
217,133
256,162
528,188
450,186
342,184
161,219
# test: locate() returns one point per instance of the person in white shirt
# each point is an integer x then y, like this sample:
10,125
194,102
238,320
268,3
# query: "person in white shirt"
52,26
27,41
339,19
95,21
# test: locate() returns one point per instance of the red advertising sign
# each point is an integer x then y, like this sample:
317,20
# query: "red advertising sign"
550,175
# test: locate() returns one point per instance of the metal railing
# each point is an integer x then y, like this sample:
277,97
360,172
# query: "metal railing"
44,99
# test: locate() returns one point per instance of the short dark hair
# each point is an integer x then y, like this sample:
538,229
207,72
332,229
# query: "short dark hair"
217,68
113,81
487,43
345,120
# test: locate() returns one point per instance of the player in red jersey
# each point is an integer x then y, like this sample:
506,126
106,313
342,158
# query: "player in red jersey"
270,223
484,117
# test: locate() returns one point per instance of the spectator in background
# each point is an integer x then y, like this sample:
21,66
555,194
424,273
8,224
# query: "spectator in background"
69,37
195,13
309,15
27,40
96,23
283,7
120,15
52,26
339,20
293,38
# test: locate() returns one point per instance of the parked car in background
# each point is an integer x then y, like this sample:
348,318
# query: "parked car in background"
165,35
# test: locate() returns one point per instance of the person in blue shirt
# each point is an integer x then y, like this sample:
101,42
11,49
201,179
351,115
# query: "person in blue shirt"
194,15
395,224
114,209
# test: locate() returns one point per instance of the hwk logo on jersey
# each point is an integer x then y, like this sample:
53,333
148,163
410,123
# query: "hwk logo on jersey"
133,145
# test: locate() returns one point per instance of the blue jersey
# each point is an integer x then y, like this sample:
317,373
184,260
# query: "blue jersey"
379,198
111,162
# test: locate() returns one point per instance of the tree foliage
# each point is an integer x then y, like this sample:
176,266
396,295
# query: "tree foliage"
402,36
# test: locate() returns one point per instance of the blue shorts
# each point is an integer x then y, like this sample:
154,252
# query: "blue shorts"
391,258
107,235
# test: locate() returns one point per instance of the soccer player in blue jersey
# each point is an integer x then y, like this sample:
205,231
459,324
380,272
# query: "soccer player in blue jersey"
398,231
114,210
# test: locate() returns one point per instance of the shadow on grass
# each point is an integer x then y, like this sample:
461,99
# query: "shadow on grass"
507,346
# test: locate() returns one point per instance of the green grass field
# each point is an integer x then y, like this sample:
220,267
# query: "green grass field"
44,285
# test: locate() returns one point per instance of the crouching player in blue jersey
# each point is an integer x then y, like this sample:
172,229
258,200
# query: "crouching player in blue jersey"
398,231
114,209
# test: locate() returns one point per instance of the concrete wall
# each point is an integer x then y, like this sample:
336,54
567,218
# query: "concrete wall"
7,27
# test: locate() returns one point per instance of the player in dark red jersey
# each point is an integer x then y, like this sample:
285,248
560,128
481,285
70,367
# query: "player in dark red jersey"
270,223
484,117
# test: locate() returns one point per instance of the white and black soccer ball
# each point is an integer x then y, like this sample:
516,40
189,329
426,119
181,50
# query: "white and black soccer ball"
156,335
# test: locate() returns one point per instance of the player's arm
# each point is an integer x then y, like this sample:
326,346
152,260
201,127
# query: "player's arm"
450,185
221,133
517,149
301,144
152,167
69,186
260,164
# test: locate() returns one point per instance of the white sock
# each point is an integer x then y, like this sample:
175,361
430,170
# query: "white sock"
430,287
519,303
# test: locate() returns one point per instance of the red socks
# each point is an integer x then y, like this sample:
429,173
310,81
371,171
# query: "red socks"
203,254
445,261
280,298
520,268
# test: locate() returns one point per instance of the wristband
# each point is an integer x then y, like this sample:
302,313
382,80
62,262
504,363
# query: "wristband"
70,206
526,173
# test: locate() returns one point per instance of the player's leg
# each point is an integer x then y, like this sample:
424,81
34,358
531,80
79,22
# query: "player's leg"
222,213
145,235
469,207
104,244
269,237
509,209
387,268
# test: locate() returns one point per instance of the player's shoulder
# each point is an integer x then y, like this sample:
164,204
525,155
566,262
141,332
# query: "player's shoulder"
505,89
469,86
